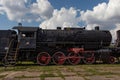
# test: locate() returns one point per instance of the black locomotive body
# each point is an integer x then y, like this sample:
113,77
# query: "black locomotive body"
70,45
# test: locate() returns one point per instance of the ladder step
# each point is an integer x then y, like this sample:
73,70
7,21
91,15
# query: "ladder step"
13,52
12,62
11,55
10,59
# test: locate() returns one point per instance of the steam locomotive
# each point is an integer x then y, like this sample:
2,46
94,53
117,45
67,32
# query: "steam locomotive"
58,46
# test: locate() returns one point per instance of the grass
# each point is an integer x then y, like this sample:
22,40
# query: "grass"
43,76
2,76
60,75
48,71
26,76
51,68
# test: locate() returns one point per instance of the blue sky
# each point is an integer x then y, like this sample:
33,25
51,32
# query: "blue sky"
6,23
79,4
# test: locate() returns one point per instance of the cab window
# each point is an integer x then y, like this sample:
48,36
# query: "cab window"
27,34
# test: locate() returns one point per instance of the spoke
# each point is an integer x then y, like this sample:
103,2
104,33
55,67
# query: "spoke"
43,58
89,58
73,58
59,58
111,60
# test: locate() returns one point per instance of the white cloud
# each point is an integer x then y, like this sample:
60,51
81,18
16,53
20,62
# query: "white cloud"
20,10
42,8
15,9
63,18
106,15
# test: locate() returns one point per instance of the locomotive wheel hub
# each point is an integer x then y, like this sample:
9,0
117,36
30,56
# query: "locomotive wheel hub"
43,58
111,60
89,58
74,58
59,58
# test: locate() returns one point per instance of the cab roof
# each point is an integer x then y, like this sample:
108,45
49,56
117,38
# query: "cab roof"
24,28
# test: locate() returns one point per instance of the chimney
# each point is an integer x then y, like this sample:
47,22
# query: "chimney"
20,24
97,28
58,28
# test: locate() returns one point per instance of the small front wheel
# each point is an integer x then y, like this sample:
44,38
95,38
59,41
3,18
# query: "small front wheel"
111,60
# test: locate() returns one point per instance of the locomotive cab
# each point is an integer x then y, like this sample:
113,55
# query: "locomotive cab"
27,37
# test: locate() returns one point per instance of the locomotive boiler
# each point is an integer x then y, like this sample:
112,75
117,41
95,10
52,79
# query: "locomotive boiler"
76,37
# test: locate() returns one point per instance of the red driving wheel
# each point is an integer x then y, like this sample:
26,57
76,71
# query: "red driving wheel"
89,58
74,58
43,58
59,58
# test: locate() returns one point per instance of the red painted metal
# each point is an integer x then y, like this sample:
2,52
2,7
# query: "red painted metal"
43,58
90,58
111,60
73,58
76,50
59,58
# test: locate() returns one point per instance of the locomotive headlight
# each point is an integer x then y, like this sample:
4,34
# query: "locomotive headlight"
27,43
6,48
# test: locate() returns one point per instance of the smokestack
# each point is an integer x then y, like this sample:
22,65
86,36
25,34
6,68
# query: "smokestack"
58,28
97,28
20,24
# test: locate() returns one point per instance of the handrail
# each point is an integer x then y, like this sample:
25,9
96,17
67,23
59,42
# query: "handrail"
16,50
9,48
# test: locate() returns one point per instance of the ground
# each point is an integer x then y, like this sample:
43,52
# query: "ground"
61,72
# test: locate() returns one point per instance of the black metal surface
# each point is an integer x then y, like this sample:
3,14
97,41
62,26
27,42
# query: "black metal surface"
89,39
33,40
27,43
5,37
20,28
